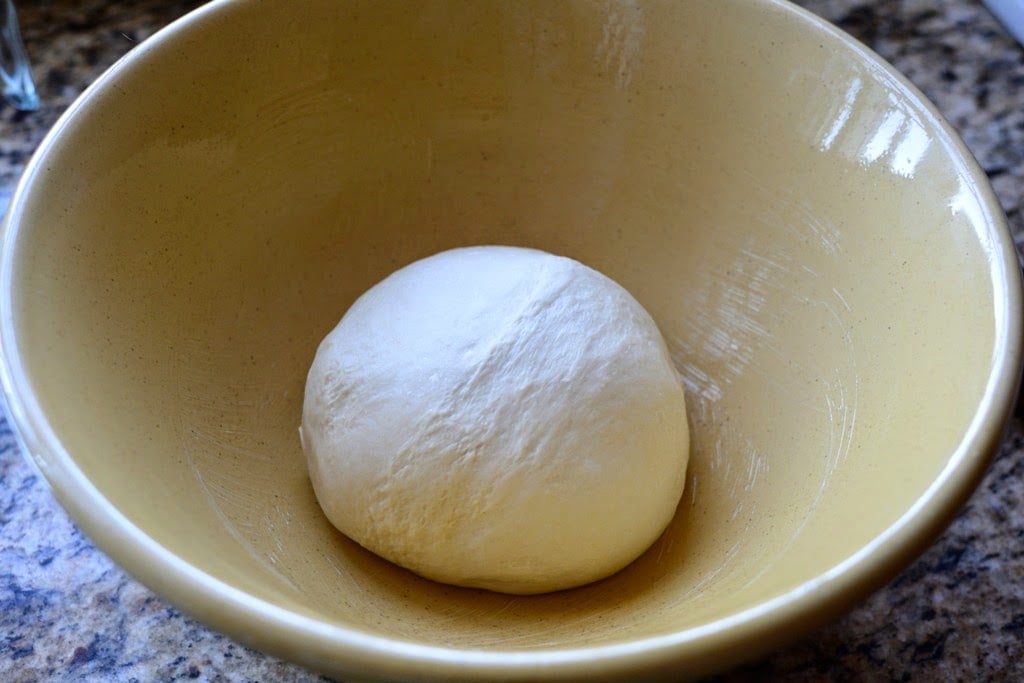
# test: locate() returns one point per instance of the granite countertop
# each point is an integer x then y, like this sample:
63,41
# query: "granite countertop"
68,613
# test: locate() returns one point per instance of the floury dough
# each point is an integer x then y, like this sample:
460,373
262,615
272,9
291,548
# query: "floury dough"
497,417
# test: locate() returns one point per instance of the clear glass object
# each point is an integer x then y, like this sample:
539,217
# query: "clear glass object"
19,89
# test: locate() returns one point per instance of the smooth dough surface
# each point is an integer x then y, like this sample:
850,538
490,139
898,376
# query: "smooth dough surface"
497,417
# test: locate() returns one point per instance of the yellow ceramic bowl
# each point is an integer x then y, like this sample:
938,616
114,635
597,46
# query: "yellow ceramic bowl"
830,269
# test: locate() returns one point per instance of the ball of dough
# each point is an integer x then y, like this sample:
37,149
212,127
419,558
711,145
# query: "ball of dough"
497,417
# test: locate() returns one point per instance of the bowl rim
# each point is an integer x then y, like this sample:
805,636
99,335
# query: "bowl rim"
697,650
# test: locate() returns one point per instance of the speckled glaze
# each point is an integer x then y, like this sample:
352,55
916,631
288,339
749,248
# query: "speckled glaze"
957,613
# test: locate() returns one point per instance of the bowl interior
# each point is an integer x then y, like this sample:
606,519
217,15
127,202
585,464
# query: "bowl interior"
820,257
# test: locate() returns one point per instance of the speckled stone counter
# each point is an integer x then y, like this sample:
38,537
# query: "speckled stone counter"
68,613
